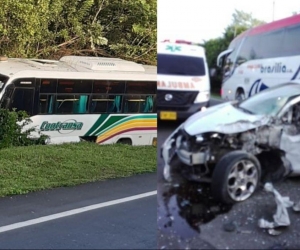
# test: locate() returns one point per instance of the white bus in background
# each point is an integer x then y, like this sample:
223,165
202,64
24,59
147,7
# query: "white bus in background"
105,100
183,84
260,58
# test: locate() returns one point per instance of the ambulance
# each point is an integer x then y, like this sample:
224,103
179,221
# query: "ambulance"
183,84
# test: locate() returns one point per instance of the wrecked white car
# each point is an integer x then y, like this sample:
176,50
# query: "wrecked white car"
235,145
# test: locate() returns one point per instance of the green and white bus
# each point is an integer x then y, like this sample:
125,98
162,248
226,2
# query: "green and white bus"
105,100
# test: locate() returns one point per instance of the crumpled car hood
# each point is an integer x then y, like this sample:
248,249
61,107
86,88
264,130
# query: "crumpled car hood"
223,118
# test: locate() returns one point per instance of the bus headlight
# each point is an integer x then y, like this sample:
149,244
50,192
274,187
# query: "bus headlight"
203,96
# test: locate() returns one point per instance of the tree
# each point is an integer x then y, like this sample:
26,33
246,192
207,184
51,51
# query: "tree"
241,21
53,28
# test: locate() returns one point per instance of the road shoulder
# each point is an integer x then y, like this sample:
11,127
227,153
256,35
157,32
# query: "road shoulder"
26,207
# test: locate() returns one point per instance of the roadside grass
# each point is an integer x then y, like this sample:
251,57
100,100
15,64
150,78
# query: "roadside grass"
216,96
33,168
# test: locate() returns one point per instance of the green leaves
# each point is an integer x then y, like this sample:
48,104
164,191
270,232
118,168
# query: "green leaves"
12,132
52,28
241,21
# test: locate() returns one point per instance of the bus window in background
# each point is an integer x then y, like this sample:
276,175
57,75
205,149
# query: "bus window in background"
139,97
108,97
291,44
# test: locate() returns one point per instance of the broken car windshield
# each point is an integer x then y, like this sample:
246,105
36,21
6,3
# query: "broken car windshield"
245,110
270,101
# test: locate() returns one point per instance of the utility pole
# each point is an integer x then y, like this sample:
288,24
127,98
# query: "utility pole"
273,8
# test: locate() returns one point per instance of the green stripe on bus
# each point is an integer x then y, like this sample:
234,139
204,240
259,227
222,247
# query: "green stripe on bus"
97,124
114,120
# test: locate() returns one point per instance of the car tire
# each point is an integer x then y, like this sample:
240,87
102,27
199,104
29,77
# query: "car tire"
236,177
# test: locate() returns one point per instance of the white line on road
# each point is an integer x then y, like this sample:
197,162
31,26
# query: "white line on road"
73,212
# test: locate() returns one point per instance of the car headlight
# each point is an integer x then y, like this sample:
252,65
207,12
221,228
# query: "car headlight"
203,96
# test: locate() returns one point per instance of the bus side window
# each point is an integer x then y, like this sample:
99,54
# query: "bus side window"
115,107
137,104
154,104
81,105
106,104
71,104
46,104
101,103
148,105
23,99
64,104
291,45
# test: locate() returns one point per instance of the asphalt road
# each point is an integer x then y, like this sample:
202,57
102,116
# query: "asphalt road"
188,217
129,225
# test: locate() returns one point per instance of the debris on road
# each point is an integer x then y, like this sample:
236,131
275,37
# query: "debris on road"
281,217
230,226
296,207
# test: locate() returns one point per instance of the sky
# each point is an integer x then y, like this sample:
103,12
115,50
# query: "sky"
198,20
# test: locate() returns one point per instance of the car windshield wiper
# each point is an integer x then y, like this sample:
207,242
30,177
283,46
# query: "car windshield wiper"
245,110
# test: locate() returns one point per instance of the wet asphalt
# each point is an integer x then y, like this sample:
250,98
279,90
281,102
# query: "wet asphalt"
189,218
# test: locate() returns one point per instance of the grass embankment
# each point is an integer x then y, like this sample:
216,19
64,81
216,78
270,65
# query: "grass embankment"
216,96
32,168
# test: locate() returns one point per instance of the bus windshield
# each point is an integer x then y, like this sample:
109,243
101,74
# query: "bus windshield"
180,65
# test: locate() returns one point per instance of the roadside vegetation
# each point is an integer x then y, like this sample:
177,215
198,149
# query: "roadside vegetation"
28,165
50,29
37,167
241,21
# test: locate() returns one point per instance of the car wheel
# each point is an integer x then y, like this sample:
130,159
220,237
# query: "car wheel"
240,95
236,177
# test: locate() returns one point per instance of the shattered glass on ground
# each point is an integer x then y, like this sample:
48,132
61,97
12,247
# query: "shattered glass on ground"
188,218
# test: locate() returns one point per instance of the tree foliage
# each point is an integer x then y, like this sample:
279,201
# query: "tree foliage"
13,131
53,28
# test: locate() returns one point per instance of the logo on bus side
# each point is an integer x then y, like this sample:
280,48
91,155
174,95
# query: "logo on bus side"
276,68
65,127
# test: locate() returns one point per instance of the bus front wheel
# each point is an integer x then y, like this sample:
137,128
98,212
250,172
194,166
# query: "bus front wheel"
240,95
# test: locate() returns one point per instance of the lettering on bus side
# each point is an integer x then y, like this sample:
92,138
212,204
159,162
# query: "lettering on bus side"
175,85
62,127
276,68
